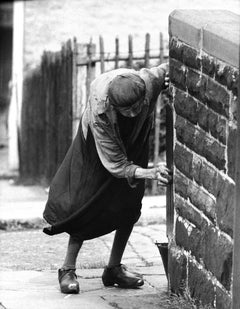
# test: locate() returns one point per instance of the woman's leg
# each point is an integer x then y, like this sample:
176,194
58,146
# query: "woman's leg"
74,246
66,275
119,244
115,272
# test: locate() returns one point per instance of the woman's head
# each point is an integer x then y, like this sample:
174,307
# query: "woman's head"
127,94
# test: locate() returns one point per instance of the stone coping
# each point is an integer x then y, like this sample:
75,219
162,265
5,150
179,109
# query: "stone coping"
216,32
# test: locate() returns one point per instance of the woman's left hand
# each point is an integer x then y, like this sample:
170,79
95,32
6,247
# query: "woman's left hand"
165,67
164,174
166,81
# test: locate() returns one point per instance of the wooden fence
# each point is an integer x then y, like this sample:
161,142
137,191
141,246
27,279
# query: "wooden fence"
46,129
55,96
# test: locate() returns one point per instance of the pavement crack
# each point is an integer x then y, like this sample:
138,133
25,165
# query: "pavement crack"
112,304
88,277
150,284
105,244
115,305
146,263
146,235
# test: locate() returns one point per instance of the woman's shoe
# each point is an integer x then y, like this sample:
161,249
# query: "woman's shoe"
132,271
68,281
122,277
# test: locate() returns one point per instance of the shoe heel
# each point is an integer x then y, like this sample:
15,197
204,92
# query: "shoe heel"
107,282
107,278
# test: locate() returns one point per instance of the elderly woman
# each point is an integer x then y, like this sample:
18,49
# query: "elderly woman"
100,184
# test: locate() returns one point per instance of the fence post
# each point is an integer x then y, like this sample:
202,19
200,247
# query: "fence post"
147,49
91,66
130,51
101,46
161,55
116,52
81,91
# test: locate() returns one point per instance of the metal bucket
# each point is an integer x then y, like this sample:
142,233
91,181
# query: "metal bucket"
163,249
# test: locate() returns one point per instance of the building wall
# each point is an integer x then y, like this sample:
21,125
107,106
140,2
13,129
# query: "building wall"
204,74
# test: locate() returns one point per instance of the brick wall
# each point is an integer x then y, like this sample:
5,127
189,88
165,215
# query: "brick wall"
204,75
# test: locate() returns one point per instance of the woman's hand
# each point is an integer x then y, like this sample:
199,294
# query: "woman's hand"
160,173
166,81
165,67
163,174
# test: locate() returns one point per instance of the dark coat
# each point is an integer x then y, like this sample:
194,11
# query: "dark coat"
94,191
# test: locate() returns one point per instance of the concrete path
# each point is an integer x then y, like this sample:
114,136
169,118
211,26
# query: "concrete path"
26,281
39,290
32,281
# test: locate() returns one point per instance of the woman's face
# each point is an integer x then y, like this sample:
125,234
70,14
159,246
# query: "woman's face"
131,111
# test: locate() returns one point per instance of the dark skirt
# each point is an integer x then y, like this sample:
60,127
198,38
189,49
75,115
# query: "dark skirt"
85,199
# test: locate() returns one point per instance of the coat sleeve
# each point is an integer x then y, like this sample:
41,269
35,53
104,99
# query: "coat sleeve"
159,73
110,150
154,80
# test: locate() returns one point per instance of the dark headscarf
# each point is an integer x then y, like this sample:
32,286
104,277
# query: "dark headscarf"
126,89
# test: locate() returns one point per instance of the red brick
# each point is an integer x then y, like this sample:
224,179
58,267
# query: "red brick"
208,65
185,131
200,285
210,148
217,255
187,236
205,174
196,84
225,204
200,142
208,177
212,122
227,76
181,234
202,200
217,97
175,49
181,184
186,210
203,112
194,111
196,168
218,127
177,73
186,106
191,57
183,160
184,53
